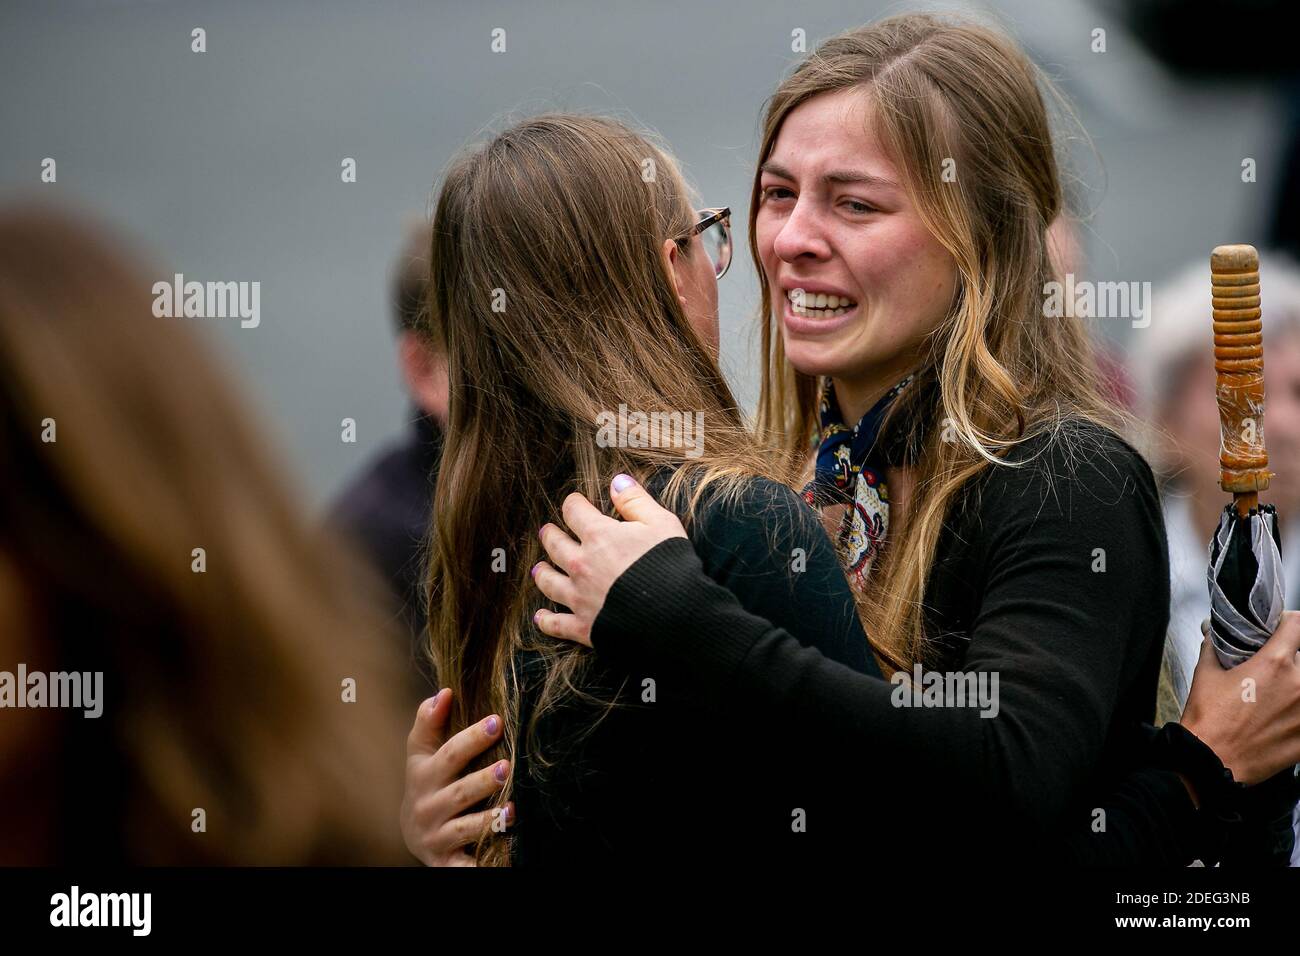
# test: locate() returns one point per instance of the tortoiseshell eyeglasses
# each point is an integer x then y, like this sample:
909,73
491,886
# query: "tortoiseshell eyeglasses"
714,230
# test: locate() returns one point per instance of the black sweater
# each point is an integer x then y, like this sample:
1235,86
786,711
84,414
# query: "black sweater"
1054,577
671,770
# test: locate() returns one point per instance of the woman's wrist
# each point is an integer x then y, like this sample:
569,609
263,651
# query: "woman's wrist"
646,596
666,611
1204,732
1181,750
1210,785
1210,788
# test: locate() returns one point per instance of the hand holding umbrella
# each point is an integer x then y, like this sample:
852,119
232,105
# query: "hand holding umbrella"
1247,590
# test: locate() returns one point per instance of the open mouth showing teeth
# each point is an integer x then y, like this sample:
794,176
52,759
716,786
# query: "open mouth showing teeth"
818,305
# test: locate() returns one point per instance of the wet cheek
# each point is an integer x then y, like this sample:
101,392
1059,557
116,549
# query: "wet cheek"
928,267
885,263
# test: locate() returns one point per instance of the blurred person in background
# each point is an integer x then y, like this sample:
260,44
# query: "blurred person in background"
1176,372
225,672
1067,256
386,508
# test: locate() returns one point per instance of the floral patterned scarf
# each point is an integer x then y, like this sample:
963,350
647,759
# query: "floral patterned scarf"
850,471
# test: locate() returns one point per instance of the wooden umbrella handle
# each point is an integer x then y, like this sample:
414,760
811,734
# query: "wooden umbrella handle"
1239,364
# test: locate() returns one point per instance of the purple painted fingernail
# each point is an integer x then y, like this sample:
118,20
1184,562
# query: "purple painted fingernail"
623,482
540,530
533,572
492,726
500,772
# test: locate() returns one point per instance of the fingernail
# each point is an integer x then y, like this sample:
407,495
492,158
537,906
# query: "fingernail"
623,482
539,531
492,725
500,774
510,813
537,617
533,572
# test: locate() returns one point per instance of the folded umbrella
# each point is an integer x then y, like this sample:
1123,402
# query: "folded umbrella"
1247,590
1246,585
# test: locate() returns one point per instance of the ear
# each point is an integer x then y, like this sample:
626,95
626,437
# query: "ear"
672,255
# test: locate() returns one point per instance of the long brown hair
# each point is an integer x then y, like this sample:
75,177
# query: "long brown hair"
996,371
548,282
124,448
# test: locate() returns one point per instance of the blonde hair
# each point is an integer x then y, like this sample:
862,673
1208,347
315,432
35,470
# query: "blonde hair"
996,371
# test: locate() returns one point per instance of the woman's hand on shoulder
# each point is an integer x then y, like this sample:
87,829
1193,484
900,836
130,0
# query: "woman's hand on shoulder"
582,570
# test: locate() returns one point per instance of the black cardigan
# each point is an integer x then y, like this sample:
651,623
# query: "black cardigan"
1053,576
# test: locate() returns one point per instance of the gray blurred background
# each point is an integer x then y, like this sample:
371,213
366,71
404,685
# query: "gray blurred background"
225,165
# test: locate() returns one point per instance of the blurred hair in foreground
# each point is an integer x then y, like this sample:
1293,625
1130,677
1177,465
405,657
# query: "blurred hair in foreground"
222,688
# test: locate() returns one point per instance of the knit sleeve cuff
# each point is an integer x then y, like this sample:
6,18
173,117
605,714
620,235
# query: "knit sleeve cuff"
666,611
1179,750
